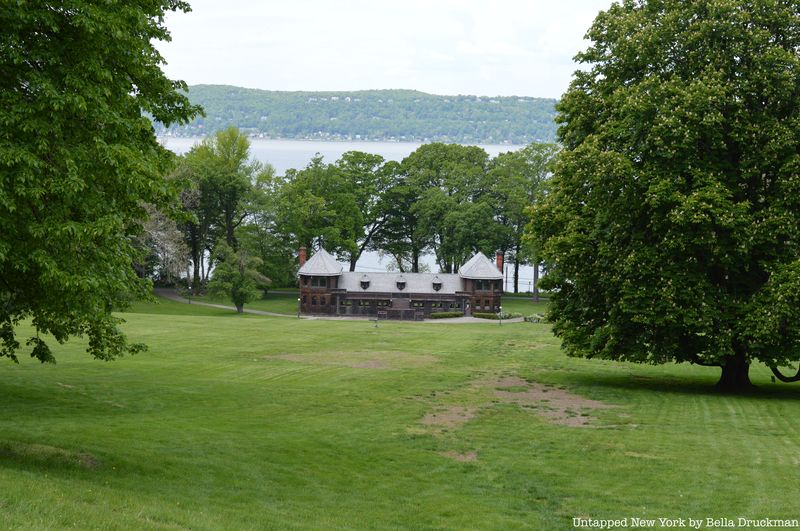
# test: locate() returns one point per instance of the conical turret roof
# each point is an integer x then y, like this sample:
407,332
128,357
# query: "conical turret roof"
481,268
322,264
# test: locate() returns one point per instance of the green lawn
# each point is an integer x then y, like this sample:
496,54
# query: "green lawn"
247,422
273,302
523,306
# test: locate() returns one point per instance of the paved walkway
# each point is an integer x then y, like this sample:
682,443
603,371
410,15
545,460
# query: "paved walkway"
172,295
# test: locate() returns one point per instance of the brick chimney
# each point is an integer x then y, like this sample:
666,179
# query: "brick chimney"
499,260
301,256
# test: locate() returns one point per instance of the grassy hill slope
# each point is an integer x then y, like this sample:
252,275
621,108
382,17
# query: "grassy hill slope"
233,422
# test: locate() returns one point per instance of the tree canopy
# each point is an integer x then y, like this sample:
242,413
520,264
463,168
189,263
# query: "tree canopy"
78,162
671,231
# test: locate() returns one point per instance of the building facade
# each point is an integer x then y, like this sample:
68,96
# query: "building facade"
327,289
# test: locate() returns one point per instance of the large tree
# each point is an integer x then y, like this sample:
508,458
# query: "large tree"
226,177
672,228
365,177
453,203
78,162
317,206
237,275
517,180
401,235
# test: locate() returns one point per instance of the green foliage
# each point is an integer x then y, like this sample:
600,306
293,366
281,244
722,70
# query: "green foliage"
486,315
456,214
236,276
223,188
445,198
78,161
445,315
672,227
318,205
518,181
404,115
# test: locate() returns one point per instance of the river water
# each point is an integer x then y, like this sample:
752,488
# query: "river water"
285,154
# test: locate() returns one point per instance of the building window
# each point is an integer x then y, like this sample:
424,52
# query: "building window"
455,305
383,303
436,305
417,304
319,282
342,302
314,300
483,285
363,302
305,281
304,299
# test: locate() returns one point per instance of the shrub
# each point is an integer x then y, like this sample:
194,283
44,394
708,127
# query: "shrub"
485,315
445,315
535,318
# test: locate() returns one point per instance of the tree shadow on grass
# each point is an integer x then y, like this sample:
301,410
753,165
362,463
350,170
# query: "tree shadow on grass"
669,383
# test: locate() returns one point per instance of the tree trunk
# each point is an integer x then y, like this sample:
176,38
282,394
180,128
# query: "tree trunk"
516,273
414,261
240,308
353,261
735,373
196,272
535,281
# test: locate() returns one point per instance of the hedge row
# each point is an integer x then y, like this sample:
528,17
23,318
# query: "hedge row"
444,315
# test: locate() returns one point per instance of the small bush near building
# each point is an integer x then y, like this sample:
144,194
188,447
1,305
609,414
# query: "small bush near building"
535,318
485,315
445,315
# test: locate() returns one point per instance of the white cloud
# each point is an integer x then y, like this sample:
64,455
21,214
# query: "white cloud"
505,47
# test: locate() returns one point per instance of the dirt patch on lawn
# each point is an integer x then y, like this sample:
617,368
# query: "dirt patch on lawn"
556,405
452,417
360,360
466,457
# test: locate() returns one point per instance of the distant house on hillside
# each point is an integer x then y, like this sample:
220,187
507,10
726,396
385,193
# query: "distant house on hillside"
327,289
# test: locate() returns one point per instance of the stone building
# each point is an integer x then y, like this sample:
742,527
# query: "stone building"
327,289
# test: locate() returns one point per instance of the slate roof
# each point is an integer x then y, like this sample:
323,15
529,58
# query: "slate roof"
415,282
322,264
480,267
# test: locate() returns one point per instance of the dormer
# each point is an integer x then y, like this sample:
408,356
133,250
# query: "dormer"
436,283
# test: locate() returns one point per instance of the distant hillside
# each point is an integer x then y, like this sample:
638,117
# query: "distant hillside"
371,115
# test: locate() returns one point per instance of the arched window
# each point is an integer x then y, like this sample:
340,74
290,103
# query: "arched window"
314,300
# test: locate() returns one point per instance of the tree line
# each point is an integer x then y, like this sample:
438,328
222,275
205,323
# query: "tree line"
402,115
448,200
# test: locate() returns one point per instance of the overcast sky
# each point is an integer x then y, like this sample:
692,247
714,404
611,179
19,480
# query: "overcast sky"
481,47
